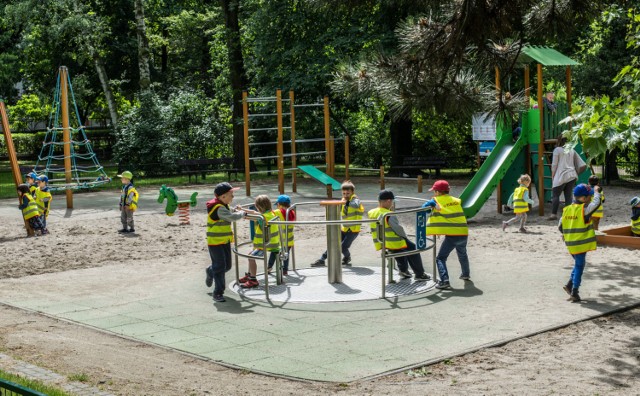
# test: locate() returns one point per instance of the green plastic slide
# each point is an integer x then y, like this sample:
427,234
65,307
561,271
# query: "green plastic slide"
320,176
490,173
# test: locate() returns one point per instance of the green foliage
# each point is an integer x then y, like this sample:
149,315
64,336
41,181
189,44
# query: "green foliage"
370,139
442,137
32,384
157,132
27,112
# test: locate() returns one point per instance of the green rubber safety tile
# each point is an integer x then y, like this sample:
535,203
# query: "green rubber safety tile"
168,336
201,345
138,328
212,328
316,373
59,308
238,355
279,365
97,301
87,314
153,314
181,321
126,308
110,322
315,354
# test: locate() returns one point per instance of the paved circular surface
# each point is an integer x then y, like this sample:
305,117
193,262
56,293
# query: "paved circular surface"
310,285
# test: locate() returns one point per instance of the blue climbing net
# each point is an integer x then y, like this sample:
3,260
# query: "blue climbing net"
86,171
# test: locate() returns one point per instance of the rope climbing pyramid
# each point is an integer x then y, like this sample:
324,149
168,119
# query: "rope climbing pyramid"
67,156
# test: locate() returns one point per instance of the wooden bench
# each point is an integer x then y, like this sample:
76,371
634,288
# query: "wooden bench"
202,166
414,165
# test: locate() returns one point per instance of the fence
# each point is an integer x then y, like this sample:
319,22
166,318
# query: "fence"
8,388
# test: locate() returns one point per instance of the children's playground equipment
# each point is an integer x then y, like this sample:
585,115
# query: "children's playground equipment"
619,237
13,159
252,113
333,237
59,160
531,152
174,203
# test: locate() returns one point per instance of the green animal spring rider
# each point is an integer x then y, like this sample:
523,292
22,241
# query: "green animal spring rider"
173,203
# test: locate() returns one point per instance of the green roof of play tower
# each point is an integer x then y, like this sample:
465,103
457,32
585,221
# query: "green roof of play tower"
545,56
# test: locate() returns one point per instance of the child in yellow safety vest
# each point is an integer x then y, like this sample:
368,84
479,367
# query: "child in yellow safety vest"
284,203
271,240
635,216
395,238
220,236
351,209
520,201
31,179
599,213
29,209
128,202
578,233
43,200
448,219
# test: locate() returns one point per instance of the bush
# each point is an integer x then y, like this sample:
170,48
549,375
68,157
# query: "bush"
27,112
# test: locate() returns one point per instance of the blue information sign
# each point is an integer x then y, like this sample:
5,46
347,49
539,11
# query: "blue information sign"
421,230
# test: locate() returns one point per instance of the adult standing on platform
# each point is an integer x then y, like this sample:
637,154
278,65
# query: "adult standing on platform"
565,168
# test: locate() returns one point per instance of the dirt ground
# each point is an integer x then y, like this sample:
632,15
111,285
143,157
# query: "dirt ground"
600,356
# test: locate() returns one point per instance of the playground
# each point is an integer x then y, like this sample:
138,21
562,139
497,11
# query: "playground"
156,297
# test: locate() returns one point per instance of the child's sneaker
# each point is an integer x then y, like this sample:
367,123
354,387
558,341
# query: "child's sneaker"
567,288
131,231
245,278
523,230
423,277
465,278
250,284
504,225
318,263
123,231
209,280
404,275
575,297
218,298
346,261
443,285
285,272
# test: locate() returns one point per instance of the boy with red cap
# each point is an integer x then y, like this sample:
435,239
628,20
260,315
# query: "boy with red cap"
578,234
220,236
448,219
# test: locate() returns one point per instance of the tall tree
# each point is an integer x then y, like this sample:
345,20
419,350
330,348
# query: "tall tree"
143,47
237,74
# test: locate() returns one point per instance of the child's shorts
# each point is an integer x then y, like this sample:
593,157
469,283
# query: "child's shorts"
257,253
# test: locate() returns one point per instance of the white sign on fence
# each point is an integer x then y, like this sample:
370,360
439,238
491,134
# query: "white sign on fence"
483,128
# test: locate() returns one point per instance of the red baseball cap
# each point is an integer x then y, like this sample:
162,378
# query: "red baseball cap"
440,185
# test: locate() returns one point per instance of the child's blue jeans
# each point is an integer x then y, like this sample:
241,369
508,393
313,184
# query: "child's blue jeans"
459,243
580,260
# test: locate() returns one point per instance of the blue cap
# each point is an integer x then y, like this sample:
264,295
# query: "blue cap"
283,199
43,178
32,175
582,190
634,201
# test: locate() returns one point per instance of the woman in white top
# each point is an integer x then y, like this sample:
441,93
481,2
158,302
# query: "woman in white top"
565,168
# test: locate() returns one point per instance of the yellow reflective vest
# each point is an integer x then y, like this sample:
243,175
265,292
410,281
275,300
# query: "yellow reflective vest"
31,210
600,211
289,228
219,231
447,218
635,226
129,196
578,235
392,240
348,212
519,204
273,234
41,198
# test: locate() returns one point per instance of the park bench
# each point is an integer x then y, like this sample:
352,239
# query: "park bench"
414,165
202,166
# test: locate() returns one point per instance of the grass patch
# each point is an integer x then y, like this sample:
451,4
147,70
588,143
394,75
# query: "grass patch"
81,377
34,385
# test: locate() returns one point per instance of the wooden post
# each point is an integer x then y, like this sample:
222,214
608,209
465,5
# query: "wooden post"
294,160
419,183
527,84
540,146
332,157
498,98
346,157
66,132
280,149
13,158
247,162
327,143
382,177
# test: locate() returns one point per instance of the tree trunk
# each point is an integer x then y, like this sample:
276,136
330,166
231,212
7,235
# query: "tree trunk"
143,47
106,88
401,131
237,75
611,167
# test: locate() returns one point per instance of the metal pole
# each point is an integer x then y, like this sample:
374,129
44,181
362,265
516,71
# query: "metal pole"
235,244
247,170
382,177
66,133
265,258
333,241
